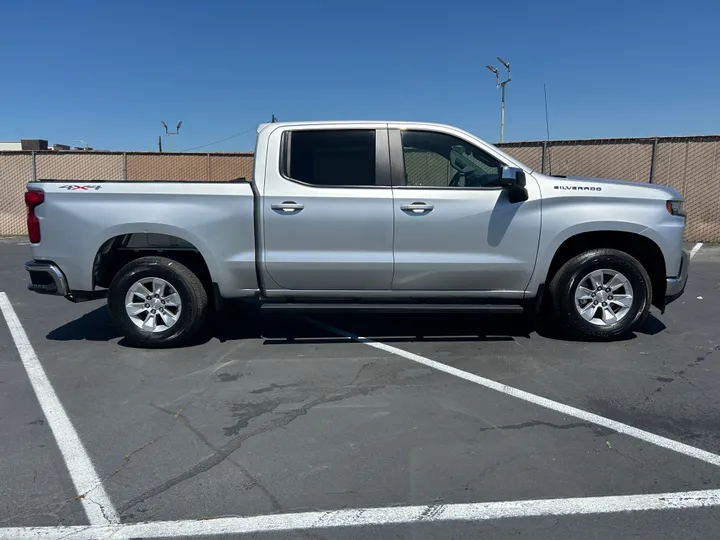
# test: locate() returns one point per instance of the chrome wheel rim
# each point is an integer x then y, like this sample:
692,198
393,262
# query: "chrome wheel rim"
603,297
153,305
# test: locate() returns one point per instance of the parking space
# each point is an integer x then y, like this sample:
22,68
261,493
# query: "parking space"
269,416
35,487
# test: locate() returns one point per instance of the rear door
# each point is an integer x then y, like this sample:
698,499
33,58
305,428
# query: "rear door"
455,229
327,210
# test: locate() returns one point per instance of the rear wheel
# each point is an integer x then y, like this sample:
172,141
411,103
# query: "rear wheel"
157,302
600,294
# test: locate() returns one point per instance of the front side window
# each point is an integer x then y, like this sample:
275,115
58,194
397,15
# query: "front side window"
443,161
332,157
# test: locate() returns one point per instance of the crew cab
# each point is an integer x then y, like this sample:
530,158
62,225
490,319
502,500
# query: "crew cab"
362,216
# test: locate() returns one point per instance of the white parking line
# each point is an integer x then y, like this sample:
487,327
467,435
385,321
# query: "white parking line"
364,517
695,249
91,492
593,418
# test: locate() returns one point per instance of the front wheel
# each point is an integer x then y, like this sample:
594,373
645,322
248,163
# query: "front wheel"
600,294
157,302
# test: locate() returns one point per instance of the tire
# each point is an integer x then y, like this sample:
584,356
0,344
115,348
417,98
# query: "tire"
580,275
175,319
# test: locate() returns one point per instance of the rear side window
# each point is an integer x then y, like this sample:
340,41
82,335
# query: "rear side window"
331,157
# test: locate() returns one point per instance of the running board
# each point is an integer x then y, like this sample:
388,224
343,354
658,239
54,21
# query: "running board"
505,309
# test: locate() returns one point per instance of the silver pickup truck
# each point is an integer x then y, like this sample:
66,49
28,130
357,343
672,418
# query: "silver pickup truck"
362,216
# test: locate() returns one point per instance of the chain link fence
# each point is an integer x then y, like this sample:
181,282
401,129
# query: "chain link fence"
530,154
605,159
689,164
424,168
15,170
18,168
692,166
78,166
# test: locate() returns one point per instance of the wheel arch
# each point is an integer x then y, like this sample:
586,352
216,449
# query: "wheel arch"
640,247
122,248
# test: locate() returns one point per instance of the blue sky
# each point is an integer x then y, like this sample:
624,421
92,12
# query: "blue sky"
108,72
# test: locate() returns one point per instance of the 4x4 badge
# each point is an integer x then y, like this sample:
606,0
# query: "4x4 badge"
81,187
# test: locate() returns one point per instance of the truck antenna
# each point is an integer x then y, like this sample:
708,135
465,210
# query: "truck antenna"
547,131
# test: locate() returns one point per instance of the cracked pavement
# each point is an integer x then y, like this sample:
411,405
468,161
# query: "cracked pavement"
270,415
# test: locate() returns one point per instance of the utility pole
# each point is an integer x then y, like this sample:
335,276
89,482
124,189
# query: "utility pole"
171,133
501,85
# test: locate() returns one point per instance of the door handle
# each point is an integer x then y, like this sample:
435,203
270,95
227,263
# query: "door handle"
287,207
417,207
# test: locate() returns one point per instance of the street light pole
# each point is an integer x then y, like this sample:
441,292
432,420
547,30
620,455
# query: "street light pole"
171,133
502,114
501,85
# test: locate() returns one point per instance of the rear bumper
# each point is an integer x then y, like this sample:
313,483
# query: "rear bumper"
46,278
676,285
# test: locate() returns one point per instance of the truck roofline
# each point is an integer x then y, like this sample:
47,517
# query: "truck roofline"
392,123
397,124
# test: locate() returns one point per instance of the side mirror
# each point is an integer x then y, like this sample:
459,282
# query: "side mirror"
512,177
513,180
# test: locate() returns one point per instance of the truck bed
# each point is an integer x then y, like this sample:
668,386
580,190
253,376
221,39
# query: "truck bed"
79,216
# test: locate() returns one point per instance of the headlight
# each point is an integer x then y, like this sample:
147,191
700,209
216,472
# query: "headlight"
676,208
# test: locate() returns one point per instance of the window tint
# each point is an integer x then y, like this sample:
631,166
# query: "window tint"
439,160
333,157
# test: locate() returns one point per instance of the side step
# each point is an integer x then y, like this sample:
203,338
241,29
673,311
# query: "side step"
505,309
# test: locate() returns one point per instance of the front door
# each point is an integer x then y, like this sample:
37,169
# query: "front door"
327,211
455,229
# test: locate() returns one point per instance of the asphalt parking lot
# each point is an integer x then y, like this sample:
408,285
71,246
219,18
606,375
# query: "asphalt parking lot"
278,417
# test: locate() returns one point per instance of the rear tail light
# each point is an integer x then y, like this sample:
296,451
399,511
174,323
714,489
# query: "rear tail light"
33,199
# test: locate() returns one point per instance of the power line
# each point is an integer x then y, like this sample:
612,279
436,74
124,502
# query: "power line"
221,140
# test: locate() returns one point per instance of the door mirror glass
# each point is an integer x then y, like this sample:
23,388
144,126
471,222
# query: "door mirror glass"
512,177
513,180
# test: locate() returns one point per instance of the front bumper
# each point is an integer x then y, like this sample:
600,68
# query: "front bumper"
676,285
46,278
